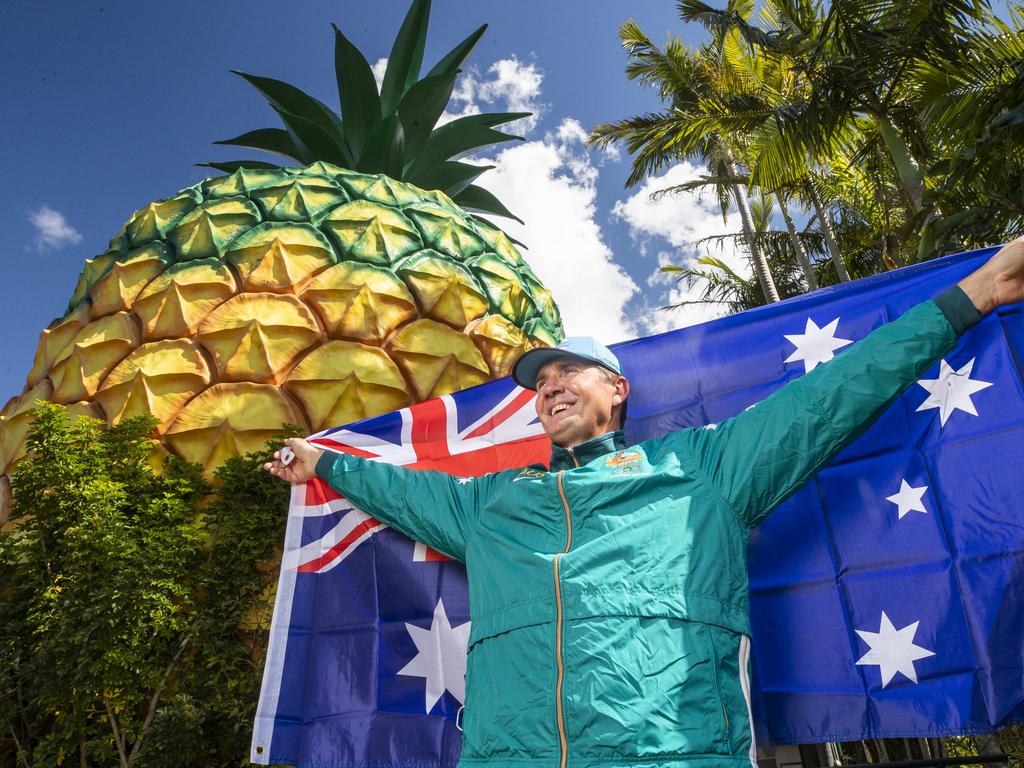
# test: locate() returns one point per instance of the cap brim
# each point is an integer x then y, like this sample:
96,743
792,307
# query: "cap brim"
526,368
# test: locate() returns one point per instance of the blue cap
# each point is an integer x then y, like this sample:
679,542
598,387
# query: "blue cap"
581,347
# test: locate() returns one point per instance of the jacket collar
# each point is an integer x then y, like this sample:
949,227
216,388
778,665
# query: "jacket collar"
594,448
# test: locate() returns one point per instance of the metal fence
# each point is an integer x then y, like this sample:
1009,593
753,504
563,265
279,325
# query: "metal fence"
998,760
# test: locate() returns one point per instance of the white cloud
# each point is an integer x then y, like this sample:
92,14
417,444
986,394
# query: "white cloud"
508,85
550,184
379,67
52,230
678,221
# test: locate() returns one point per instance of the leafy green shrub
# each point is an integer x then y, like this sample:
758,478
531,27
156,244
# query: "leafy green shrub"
134,604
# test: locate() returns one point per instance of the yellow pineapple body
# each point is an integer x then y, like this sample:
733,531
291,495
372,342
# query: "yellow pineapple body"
315,296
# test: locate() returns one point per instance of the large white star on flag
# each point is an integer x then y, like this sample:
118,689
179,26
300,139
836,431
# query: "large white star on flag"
441,658
909,499
952,390
815,345
893,650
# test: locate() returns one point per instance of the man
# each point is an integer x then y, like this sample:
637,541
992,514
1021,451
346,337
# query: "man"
608,592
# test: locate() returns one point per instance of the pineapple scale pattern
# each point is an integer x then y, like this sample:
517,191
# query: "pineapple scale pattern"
315,296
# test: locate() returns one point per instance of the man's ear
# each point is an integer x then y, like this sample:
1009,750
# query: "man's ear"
621,391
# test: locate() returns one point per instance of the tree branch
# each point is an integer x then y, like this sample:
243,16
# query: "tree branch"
155,700
118,738
21,751
692,301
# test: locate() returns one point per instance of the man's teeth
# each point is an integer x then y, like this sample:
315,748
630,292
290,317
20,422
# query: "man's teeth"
558,409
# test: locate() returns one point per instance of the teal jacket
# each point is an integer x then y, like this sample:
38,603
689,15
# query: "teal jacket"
608,593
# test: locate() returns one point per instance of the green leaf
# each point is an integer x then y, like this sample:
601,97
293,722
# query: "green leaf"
311,141
476,198
276,140
230,166
311,122
450,177
406,57
456,57
421,108
384,149
464,135
357,93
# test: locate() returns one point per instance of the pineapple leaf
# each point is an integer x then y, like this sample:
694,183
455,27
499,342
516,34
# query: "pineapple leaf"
476,198
391,130
463,135
230,166
385,149
450,177
422,106
275,140
311,121
311,141
357,93
406,57
456,57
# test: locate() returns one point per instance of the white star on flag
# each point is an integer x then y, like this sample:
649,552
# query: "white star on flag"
441,657
893,650
952,390
815,345
909,499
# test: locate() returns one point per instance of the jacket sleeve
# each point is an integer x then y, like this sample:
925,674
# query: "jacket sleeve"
758,458
431,507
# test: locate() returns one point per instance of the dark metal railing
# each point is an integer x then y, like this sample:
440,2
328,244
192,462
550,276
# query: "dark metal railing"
936,762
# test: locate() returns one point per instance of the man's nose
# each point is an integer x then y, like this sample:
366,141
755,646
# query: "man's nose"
551,386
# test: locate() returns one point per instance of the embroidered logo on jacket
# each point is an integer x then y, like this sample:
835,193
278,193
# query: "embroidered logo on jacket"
530,474
627,462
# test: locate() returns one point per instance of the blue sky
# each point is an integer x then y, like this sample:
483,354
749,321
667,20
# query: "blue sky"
108,105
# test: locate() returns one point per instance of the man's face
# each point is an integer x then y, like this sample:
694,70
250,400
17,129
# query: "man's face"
577,400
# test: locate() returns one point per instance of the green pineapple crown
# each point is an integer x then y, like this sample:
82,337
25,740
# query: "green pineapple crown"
390,131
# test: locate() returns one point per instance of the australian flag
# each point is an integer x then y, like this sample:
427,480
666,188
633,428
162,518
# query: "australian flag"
887,596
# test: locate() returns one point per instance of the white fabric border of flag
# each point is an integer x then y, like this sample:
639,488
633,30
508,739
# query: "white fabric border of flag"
277,644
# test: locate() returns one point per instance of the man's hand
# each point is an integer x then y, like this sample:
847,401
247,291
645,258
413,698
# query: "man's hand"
302,468
1000,281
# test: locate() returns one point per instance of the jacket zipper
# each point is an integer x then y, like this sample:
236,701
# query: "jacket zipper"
558,626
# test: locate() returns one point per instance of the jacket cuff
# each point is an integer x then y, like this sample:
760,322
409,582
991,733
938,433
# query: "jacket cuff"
958,309
324,463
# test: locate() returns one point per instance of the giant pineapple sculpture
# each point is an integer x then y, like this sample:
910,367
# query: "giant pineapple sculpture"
351,285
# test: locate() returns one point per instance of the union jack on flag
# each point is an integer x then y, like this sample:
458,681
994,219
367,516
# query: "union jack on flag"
358,603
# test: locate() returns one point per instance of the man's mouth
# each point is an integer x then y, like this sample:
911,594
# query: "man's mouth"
559,408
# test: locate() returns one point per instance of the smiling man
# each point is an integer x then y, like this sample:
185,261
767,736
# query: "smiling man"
608,591
581,392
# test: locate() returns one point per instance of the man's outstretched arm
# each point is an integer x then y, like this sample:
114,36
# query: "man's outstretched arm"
428,506
761,456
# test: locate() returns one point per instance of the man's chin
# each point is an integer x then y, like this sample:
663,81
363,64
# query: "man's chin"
568,438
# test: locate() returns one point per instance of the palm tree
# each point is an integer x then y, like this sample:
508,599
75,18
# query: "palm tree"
857,58
721,284
685,78
975,112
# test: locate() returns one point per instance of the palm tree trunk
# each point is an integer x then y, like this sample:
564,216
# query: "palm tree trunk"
798,246
912,180
910,174
764,275
830,237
